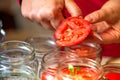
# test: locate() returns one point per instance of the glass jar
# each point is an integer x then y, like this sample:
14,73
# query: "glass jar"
42,45
111,71
87,50
79,69
50,63
17,61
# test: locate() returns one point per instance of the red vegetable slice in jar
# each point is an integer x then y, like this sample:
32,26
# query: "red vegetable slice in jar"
112,76
72,31
84,73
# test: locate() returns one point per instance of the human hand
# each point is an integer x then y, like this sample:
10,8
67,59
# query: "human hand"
106,22
48,13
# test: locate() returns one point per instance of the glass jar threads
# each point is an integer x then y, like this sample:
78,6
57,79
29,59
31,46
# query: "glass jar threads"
17,61
56,65
87,50
42,45
79,69
50,63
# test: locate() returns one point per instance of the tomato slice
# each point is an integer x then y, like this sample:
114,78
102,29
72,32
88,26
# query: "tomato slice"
72,31
84,73
112,76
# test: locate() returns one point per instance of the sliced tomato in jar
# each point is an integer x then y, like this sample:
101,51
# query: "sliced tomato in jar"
112,76
72,31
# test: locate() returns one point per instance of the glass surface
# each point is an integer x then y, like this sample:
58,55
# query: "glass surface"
42,44
79,69
55,61
17,61
50,63
87,50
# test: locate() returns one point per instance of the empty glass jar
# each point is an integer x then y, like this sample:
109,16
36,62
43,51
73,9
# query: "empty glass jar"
17,61
42,45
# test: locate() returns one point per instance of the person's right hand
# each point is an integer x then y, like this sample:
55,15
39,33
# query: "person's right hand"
106,21
48,13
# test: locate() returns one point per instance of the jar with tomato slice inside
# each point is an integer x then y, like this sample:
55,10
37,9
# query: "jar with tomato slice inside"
50,63
111,71
79,69
87,50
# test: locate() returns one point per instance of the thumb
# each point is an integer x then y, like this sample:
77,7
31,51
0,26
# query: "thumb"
97,16
73,8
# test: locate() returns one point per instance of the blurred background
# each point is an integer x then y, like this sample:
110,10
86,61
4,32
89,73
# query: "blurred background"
15,25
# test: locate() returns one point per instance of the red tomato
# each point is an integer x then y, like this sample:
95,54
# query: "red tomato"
113,76
83,74
72,31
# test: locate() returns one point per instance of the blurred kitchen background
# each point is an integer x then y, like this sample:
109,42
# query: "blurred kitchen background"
15,25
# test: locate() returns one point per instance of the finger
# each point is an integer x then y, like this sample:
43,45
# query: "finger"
100,27
57,20
73,8
41,20
97,16
46,24
111,35
26,9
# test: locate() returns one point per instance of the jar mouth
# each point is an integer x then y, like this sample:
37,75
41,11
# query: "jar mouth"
42,43
94,46
15,51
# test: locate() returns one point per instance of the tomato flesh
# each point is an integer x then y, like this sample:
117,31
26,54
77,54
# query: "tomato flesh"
112,76
72,31
84,73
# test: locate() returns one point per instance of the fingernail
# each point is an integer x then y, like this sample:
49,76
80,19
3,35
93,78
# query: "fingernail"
89,18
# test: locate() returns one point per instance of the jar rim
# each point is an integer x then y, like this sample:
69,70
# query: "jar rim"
25,51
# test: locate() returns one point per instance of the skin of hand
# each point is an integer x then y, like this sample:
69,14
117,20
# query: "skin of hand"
48,13
106,21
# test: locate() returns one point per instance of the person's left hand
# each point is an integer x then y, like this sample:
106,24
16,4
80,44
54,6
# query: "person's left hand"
48,13
106,22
